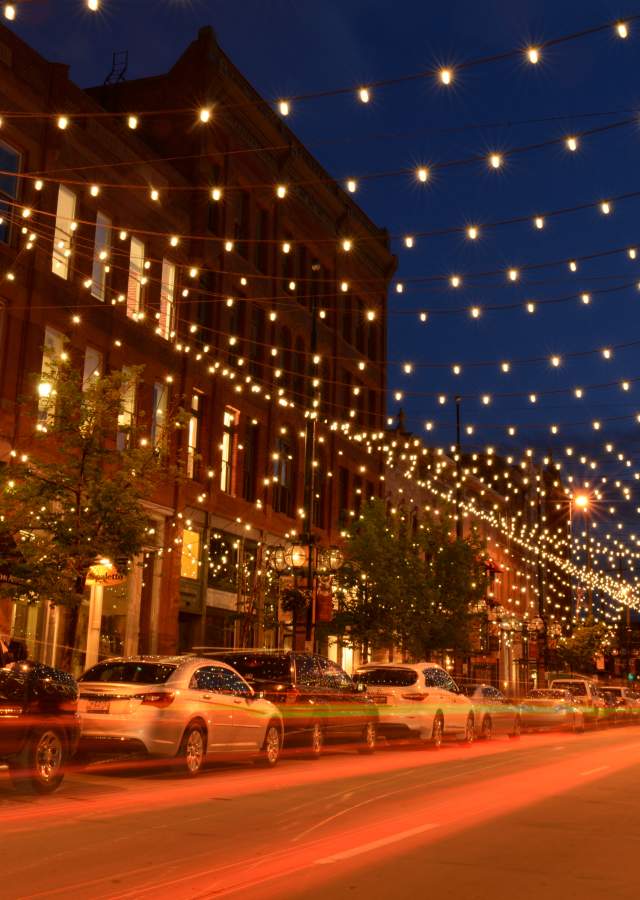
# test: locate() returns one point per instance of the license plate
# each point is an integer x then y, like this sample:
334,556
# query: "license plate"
98,706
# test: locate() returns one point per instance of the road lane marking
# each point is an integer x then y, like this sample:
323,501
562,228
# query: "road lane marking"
593,771
374,845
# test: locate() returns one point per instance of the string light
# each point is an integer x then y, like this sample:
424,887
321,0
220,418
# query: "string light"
539,222
473,232
572,143
445,76
422,174
284,107
364,95
622,30
605,206
216,194
281,191
495,160
533,55
132,122
9,11
455,281
93,5
62,122
352,185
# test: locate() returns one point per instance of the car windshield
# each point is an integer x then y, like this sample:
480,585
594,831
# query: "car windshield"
260,666
129,673
387,677
578,688
617,692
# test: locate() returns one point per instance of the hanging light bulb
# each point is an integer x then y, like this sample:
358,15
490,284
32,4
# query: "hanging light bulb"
586,298
408,241
539,222
476,312
205,114
132,122
62,122
364,95
533,55
9,11
505,367
445,75
93,5
352,185
513,274
422,174
622,29
472,232
455,281
572,143
555,361
216,194
284,107
495,160
573,265
605,207
281,191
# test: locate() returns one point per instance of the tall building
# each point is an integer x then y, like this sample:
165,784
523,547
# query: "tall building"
176,223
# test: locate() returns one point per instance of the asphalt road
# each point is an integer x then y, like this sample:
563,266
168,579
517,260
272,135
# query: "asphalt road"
548,816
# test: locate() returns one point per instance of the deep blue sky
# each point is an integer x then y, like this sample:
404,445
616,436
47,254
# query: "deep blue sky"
291,46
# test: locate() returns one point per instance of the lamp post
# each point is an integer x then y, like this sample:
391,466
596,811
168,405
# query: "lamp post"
582,502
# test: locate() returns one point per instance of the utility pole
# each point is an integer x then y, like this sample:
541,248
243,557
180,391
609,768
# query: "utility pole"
459,530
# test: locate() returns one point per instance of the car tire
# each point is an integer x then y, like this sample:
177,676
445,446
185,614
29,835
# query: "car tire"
369,737
486,730
193,750
517,728
469,731
316,741
39,768
437,732
271,747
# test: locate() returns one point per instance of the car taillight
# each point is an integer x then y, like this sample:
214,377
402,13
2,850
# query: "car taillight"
414,696
160,699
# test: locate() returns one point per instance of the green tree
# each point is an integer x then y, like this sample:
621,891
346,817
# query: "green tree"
408,583
578,651
79,494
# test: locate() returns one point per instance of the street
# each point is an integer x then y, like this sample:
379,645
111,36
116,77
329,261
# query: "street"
550,814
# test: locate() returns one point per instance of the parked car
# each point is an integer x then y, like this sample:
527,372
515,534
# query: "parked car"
627,701
185,707
420,700
494,713
585,694
318,700
551,708
615,709
39,725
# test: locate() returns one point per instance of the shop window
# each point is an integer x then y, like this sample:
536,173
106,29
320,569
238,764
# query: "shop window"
167,299
65,214
190,554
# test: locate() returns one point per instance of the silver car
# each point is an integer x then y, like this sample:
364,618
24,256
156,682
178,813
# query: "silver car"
185,707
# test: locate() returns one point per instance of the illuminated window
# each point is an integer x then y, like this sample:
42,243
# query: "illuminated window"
127,412
65,214
159,417
100,256
194,435
92,366
53,347
229,449
283,477
167,295
136,273
190,556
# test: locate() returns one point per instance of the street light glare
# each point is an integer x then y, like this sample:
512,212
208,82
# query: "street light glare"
581,501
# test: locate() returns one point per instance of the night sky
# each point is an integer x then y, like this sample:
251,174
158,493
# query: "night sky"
286,47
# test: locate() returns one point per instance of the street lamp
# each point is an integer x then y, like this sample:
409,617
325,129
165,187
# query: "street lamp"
582,501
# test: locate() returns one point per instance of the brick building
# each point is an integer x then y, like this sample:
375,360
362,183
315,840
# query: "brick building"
222,258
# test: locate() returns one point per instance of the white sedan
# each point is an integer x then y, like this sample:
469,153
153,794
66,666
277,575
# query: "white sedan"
418,699
176,706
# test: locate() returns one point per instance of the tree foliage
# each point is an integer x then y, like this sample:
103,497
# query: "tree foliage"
408,583
578,651
79,494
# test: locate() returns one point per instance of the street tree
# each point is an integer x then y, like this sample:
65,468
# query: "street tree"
78,494
578,650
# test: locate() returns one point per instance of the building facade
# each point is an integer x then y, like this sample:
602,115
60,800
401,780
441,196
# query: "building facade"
177,224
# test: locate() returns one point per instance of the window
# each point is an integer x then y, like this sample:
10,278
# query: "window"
127,408
167,294
159,417
9,166
384,677
262,234
257,667
257,338
65,214
249,468
307,671
283,477
92,366
136,273
130,673
194,434
219,681
53,347
333,677
241,222
101,249
190,555
229,448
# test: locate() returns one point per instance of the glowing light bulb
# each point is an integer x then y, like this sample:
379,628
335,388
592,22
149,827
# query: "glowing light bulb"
408,241
94,190
132,122
204,114
586,298
622,29
455,281
605,207
284,107
281,191
533,398
539,222
423,316
607,353
347,245
573,265
513,274
216,194
572,143
632,252
531,307
9,11
486,399
495,160
286,247
472,232
445,76
625,385
579,393
371,315
476,312
228,246
39,184
344,286
154,195
422,174
555,361
533,55
457,370
364,95
505,367
93,5
62,122
399,288
174,240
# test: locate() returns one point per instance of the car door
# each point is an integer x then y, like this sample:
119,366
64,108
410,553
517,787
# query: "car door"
499,708
459,703
345,705
249,718
311,703
208,698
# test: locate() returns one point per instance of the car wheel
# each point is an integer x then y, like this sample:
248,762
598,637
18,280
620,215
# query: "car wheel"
469,730
517,728
487,729
192,750
316,741
270,753
40,765
369,737
437,731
